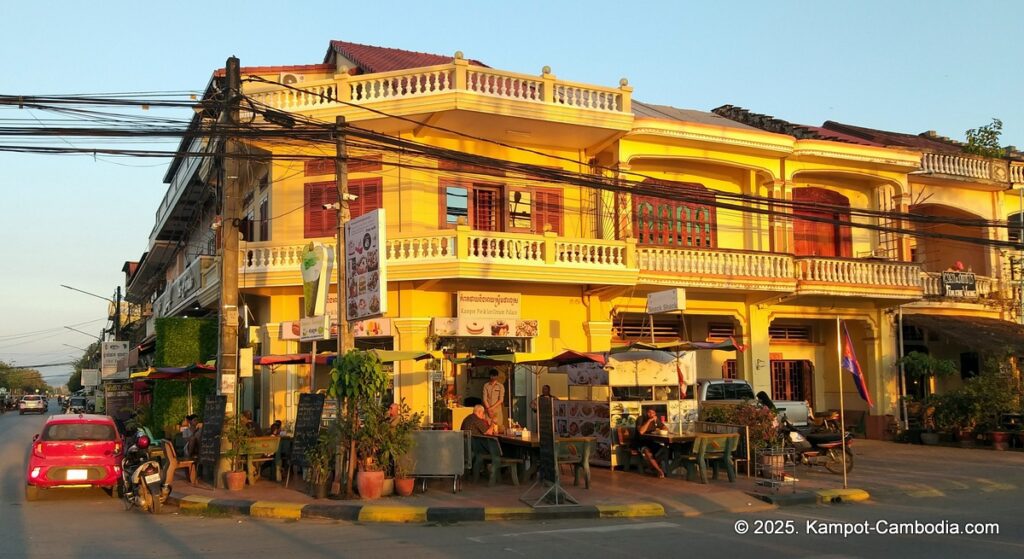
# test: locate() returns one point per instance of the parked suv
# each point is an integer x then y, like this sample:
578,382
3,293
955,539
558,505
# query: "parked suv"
75,451
32,403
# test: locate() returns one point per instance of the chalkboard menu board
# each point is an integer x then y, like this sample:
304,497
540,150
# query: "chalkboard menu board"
548,469
209,442
307,426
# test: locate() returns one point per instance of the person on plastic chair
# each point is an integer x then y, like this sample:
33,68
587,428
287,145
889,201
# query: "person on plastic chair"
644,445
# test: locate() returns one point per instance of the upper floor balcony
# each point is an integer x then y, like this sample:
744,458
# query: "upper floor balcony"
548,258
198,283
457,86
972,167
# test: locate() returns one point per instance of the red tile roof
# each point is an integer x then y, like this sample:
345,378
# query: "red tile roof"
370,59
887,138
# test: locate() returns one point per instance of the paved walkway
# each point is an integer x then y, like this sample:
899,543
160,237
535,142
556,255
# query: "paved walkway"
881,470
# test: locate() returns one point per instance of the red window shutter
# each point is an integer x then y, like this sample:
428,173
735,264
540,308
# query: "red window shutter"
485,209
320,222
547,210
368,196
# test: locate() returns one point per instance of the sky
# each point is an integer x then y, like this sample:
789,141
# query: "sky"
906,66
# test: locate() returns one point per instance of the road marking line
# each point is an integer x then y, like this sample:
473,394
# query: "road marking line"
589,529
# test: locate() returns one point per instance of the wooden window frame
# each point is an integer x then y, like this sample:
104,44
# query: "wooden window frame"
363,204
537,221
683,217
470,186
329,196
842,236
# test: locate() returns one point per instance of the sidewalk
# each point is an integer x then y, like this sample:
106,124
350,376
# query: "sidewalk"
612,495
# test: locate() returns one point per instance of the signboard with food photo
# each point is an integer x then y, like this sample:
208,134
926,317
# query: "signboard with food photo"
499,328
365,266
586,419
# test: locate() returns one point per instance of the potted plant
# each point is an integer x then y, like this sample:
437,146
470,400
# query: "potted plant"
929,435
358,381
369,438
397,445
319,457
237,436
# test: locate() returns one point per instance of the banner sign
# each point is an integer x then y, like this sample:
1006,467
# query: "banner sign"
365,266
482,304
313,328
111,354
959,284
501,328
317,264
90,377
666,301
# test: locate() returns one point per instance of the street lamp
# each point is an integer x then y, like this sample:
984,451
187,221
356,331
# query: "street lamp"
75,347
117,306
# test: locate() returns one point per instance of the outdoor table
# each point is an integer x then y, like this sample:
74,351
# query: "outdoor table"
528,447
677,443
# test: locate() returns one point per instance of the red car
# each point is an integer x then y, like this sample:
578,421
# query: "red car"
79,450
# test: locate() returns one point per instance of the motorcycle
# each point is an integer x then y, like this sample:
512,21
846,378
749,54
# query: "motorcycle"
825,421
142,481
819,449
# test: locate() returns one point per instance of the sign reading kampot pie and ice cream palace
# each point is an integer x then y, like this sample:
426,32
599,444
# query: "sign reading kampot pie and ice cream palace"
485,313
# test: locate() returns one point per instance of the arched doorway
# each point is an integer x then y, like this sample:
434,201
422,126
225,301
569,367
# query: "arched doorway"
821,238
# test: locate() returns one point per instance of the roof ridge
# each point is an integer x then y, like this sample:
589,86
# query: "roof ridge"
765,122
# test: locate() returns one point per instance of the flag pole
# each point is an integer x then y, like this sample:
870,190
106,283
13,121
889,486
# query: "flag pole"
842,410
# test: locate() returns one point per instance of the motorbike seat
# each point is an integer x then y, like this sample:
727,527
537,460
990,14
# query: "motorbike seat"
823,438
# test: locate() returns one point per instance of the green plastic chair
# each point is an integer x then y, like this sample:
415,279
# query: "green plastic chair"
722,458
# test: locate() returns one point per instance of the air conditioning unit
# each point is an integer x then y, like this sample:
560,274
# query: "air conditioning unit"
291,79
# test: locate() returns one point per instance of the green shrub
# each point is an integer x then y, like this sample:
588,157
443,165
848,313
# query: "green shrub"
184,341
170,401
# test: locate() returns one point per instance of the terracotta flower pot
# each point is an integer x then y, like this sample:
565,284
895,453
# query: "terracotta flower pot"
235,481
370,484
1000,440
388,487
404,486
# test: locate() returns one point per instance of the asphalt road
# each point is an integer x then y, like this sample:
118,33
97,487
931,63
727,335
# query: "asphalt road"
88,524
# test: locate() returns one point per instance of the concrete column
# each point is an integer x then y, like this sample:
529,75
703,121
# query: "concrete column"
412,382
757,358
599,335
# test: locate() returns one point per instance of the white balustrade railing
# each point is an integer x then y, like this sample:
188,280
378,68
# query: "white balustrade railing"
716,263
504,84
584,252
526,249
954,164
1016,172
456,76
859,272
272,258
432,248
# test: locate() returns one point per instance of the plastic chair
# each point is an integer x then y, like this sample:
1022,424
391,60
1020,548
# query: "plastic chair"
718,454
624,449
576,454
173,464
494,457
695,460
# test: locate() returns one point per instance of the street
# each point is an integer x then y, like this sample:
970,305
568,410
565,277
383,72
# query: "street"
88,524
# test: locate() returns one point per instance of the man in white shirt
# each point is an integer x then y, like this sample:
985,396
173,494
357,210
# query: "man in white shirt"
494,398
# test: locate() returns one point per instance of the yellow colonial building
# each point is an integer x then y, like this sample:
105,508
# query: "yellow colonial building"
532,214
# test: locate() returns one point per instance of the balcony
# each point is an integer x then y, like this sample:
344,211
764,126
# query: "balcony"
970,167
458,86
548,258
992,292
875,279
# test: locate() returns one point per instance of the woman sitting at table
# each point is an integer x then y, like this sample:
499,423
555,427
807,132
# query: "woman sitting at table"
643,444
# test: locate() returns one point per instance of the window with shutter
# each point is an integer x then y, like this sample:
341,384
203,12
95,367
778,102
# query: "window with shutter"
368,194
548,210
320,222
486,208
670,222
264,219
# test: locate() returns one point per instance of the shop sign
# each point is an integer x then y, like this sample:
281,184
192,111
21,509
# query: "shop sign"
111,355
316,266
666,301
313,329
365,267
959,284
90,377
473,305
371,328
290,330
501,328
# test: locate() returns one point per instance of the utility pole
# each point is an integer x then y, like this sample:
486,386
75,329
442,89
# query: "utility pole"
117,314
345,342
227,350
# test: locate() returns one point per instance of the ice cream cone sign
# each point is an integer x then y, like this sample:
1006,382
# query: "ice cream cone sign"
317,262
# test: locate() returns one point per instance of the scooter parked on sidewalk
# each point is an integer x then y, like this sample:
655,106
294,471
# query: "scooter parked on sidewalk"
819,449
142,479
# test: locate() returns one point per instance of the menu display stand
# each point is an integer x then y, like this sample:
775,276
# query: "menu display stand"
553,494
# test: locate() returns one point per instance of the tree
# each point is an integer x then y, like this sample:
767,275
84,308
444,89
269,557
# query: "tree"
984,140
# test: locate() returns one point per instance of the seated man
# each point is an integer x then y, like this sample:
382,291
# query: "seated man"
646,425
478,424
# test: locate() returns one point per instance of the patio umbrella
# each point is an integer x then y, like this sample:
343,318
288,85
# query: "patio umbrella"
673,350
196,370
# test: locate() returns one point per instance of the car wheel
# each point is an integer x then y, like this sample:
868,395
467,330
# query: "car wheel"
111,491
31,493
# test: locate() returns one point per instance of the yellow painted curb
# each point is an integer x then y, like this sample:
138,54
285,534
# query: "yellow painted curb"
372,513
845,495
276,509
634,510
508,513
194,503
